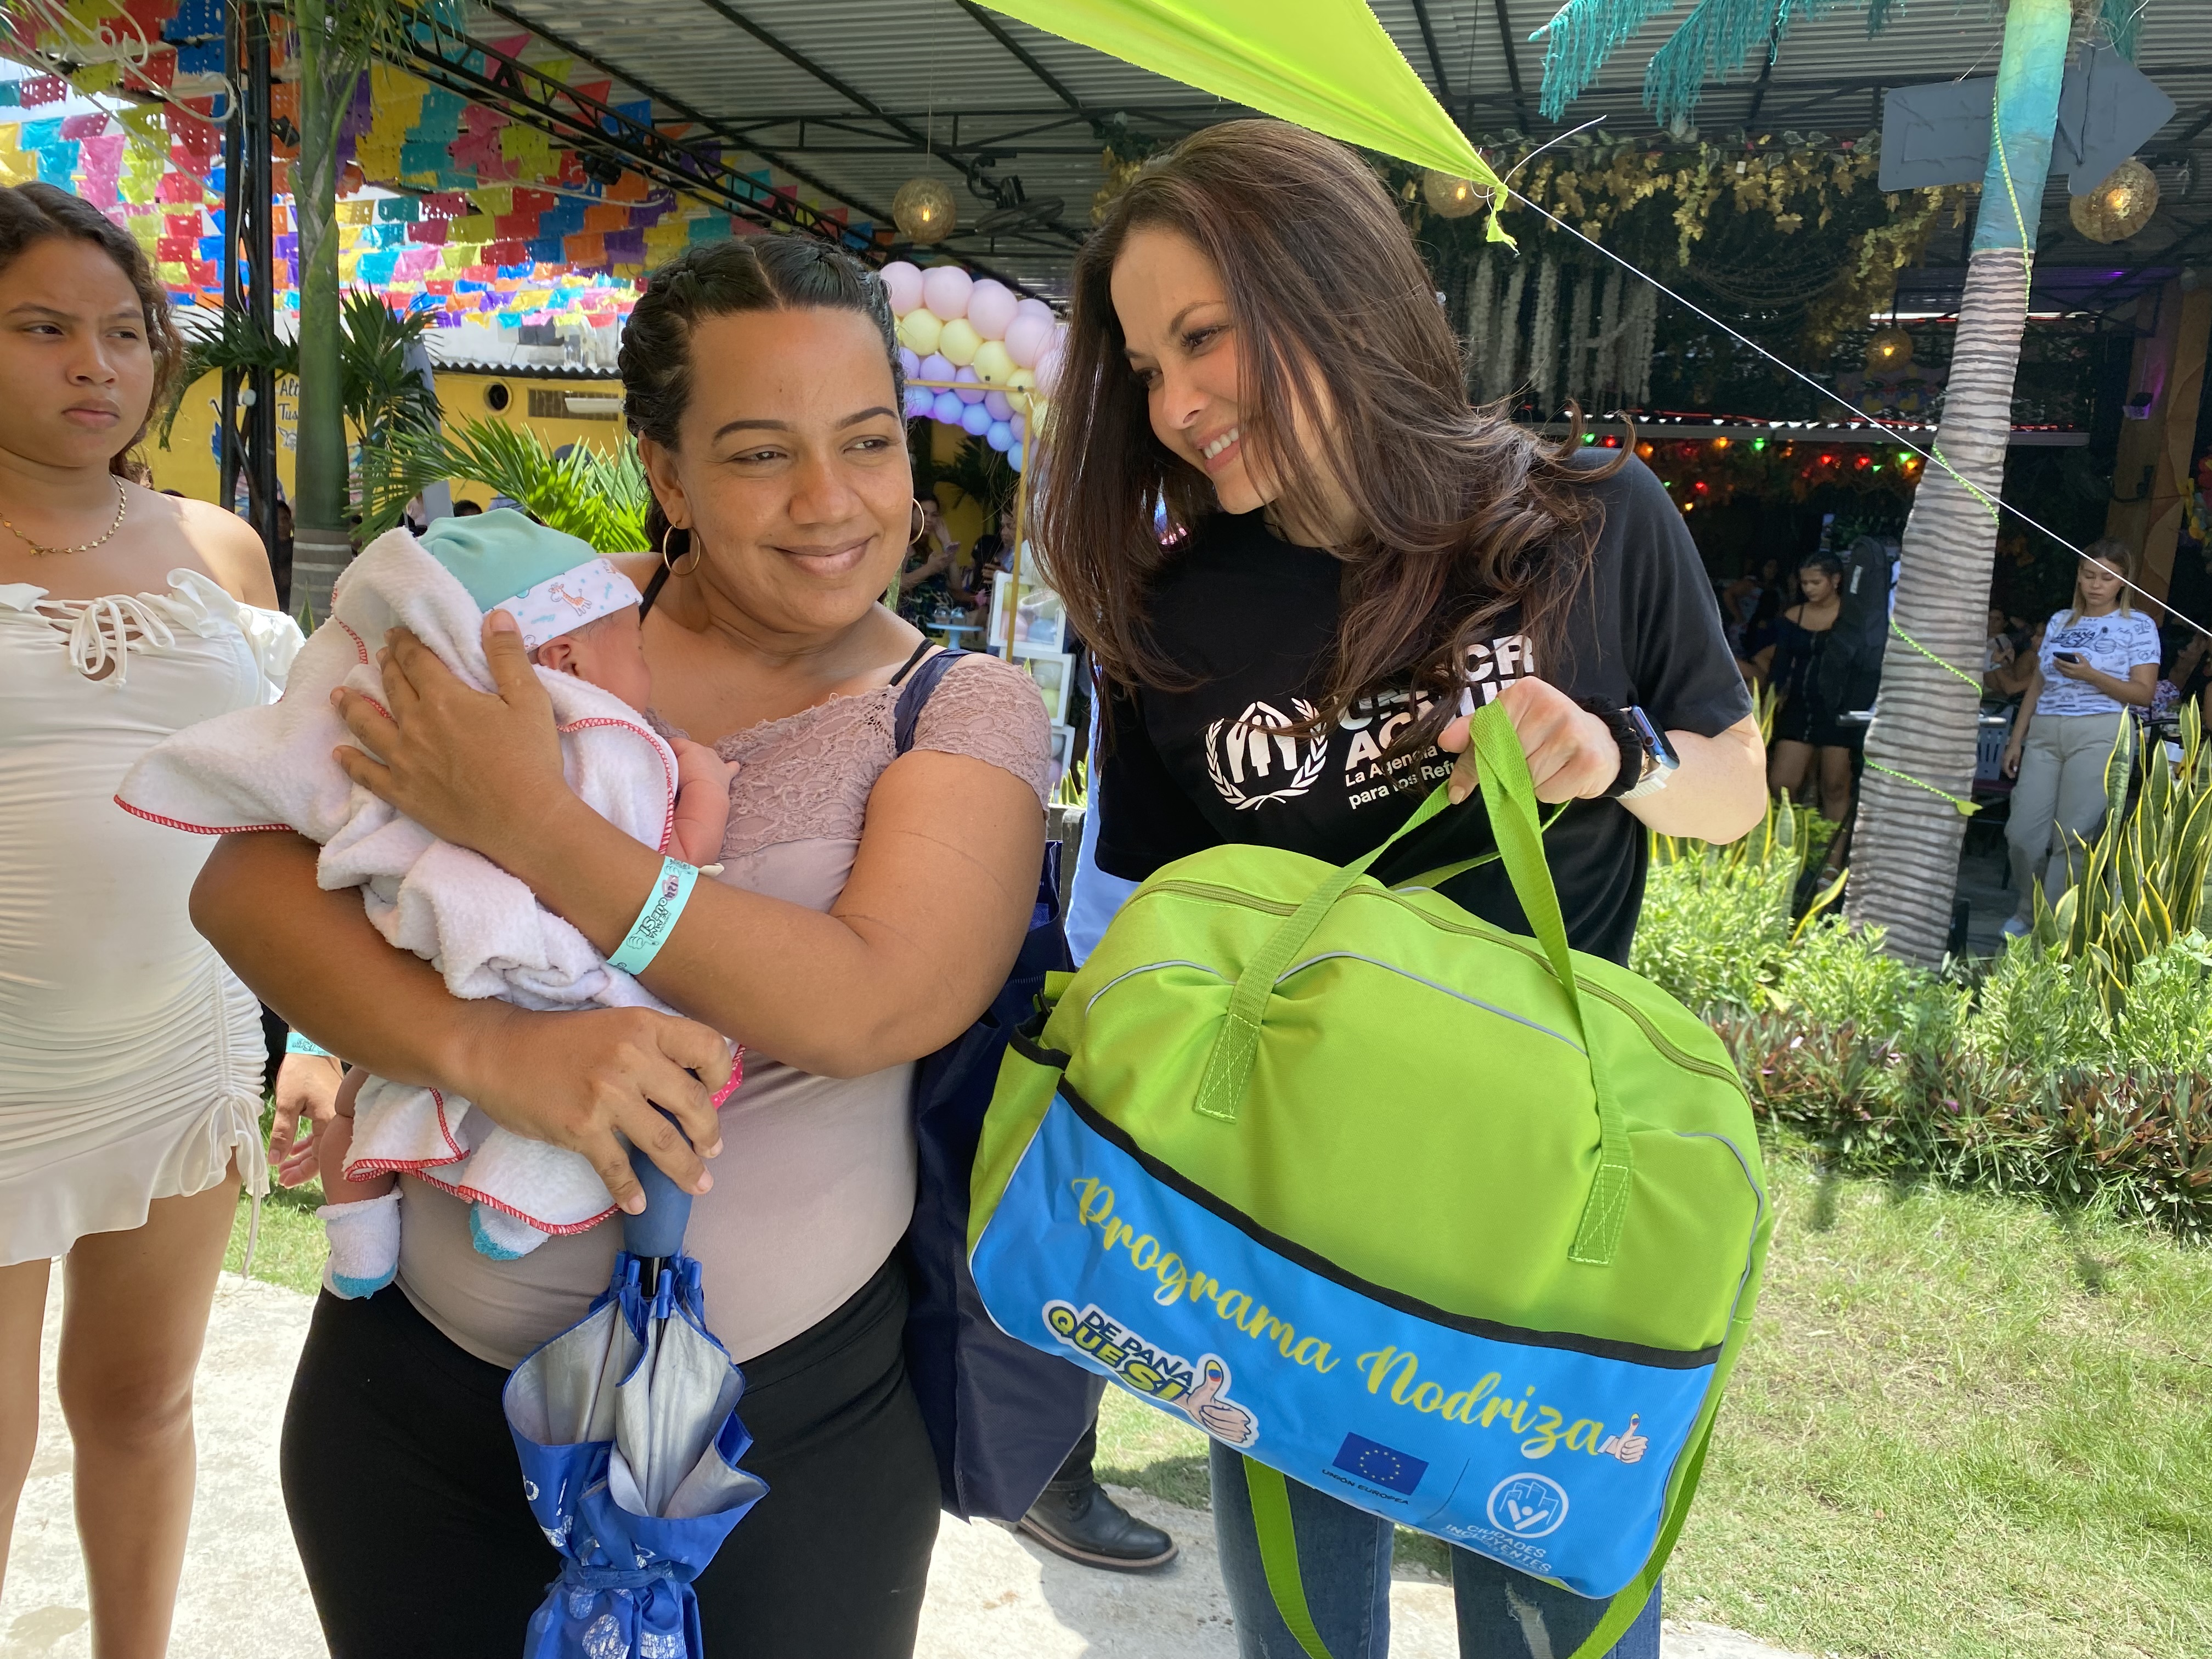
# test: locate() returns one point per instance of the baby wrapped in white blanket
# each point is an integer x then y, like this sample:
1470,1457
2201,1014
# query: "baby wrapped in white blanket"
270,767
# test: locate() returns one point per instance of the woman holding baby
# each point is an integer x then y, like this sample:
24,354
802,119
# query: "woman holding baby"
868,907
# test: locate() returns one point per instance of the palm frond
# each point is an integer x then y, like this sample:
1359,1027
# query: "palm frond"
597,497
377,354
237,342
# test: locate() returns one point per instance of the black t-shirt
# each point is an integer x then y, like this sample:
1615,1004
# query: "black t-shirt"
1252,618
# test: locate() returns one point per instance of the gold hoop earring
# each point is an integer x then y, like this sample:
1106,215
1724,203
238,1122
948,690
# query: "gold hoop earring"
913,533
691,548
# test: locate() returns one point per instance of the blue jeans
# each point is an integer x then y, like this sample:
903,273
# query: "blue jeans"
1344,1557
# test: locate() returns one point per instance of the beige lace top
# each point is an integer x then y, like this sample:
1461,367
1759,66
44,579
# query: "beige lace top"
815,1182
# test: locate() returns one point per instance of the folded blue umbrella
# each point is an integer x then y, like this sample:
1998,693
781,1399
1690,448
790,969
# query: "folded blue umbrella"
627,1427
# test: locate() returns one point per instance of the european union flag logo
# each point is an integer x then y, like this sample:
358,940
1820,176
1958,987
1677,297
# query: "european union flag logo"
1380,1465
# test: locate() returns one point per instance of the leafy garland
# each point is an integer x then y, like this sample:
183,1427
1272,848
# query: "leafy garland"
1789,222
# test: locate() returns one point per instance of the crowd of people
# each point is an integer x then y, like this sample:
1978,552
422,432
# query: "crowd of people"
1253,343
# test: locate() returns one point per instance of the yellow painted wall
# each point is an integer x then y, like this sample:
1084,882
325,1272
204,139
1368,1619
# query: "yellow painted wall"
188,463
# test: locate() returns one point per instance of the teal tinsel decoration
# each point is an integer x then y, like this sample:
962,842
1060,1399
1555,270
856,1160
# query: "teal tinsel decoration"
2122,18
1715,39
1580,36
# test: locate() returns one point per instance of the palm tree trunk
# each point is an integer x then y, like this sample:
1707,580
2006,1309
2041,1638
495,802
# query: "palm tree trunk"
1905,855
321,543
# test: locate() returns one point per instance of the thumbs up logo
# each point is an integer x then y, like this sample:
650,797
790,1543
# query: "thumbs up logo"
1211,1409
1628,1445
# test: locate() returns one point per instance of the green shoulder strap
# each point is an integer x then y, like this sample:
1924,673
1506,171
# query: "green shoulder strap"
1279,1554
1510,796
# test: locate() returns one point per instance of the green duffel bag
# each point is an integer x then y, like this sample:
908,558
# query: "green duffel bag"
1463,1228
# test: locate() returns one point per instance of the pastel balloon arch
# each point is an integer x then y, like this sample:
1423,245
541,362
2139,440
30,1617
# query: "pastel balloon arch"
978,356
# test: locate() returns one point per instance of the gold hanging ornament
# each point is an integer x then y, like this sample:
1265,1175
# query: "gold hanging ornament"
1891,347
1448,197
925,211
2119,207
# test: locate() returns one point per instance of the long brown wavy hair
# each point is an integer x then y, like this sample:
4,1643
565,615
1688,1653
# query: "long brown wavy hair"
1463,515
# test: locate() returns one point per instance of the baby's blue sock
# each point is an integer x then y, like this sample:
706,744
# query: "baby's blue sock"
364,1240
500,1236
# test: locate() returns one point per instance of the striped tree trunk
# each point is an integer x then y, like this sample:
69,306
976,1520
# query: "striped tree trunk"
1905,852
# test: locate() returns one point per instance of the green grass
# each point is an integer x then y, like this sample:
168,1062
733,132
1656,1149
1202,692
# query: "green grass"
1966,1427
290,1251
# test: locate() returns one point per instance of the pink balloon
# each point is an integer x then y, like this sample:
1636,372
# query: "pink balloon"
944,290
1032,307
903,281
991,306
1048,369
1027,336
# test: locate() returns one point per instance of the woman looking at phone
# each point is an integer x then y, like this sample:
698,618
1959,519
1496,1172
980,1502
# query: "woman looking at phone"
2098,661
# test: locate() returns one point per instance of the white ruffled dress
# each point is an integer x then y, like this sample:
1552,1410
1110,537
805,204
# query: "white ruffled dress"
130,1057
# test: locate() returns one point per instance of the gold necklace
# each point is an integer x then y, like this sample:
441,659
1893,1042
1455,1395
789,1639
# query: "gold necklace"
122,506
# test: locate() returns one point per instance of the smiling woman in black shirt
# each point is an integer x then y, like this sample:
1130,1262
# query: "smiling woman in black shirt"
1354,557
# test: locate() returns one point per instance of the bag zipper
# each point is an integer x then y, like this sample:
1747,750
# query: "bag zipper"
1207,889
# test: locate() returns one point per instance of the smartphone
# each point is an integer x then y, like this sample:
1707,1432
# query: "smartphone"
2066,656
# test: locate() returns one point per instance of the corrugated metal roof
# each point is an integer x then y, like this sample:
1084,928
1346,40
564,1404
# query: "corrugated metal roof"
856,96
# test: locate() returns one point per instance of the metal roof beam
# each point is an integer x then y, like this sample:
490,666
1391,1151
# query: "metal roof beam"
585,122
1022,55
792,54
1435,52
631,80
1512,66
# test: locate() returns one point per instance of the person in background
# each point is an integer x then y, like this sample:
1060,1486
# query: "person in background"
2183,677
2098,660
924,584
467,509
130,1058
1804,728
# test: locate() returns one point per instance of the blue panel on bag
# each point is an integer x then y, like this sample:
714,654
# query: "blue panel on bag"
1549,1452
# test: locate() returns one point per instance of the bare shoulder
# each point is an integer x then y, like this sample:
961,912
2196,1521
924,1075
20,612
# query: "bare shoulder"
226,545
638,567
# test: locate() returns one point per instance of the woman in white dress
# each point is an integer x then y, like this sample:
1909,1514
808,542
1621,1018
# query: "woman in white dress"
130,1058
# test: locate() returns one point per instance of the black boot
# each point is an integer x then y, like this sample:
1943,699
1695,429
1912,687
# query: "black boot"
1077,1519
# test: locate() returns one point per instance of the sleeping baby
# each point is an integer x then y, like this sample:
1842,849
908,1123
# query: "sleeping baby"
579,618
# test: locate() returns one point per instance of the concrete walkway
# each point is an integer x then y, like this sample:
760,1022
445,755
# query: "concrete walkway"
992,1594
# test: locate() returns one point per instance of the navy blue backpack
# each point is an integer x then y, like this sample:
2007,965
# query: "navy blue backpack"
1002,1415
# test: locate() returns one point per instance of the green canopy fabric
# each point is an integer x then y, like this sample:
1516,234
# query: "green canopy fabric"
1326,64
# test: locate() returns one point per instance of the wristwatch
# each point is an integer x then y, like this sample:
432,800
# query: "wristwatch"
1647,759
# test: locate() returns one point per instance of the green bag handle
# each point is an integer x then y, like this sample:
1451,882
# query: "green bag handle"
1510,796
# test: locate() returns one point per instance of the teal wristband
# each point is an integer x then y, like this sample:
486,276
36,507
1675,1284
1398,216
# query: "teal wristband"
672,891
296,1044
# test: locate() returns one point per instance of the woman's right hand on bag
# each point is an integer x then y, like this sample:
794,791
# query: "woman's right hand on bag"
574,1079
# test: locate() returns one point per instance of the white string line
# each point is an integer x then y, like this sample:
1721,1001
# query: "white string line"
1995,502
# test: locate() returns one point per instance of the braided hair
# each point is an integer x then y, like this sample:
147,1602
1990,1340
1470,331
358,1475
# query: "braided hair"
720,279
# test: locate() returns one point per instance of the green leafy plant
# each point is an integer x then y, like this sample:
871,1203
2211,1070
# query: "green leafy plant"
599,497
2076,1067
2167,1024
381,390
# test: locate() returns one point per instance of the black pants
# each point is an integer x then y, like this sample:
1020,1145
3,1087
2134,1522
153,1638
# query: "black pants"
406,1499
